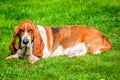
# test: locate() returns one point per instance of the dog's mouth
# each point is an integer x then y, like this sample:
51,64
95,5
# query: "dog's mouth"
26,52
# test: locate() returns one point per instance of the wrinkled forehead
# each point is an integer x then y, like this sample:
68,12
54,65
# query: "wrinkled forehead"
26,26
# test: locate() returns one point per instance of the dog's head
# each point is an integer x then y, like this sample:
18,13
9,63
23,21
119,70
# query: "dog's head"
28,35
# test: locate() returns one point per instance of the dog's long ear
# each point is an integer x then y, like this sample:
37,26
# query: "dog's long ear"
13,46
38,44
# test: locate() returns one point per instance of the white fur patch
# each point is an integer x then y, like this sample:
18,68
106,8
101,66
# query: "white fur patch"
77,50
59,51
46,52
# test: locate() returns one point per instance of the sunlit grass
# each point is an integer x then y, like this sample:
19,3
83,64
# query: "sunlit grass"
103,15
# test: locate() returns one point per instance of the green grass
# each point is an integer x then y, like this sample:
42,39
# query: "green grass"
103,15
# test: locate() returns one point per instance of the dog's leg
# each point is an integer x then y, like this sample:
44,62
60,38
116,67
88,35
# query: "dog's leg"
76,51
13,56
17,55
33,59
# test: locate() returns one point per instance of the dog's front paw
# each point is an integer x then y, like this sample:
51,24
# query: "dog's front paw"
12,57
33,59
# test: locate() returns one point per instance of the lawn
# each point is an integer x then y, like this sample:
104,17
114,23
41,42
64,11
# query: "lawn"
103,15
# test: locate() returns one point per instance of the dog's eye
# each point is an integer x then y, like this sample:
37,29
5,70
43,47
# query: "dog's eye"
30,31
21,31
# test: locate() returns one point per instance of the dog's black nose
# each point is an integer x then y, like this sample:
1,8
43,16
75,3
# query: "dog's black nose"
25,41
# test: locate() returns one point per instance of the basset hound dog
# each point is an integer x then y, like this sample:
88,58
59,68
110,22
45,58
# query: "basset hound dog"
37,42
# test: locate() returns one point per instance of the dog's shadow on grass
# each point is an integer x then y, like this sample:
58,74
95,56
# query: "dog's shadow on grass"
11,53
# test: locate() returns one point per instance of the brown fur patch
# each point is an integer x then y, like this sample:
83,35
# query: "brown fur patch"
71,35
